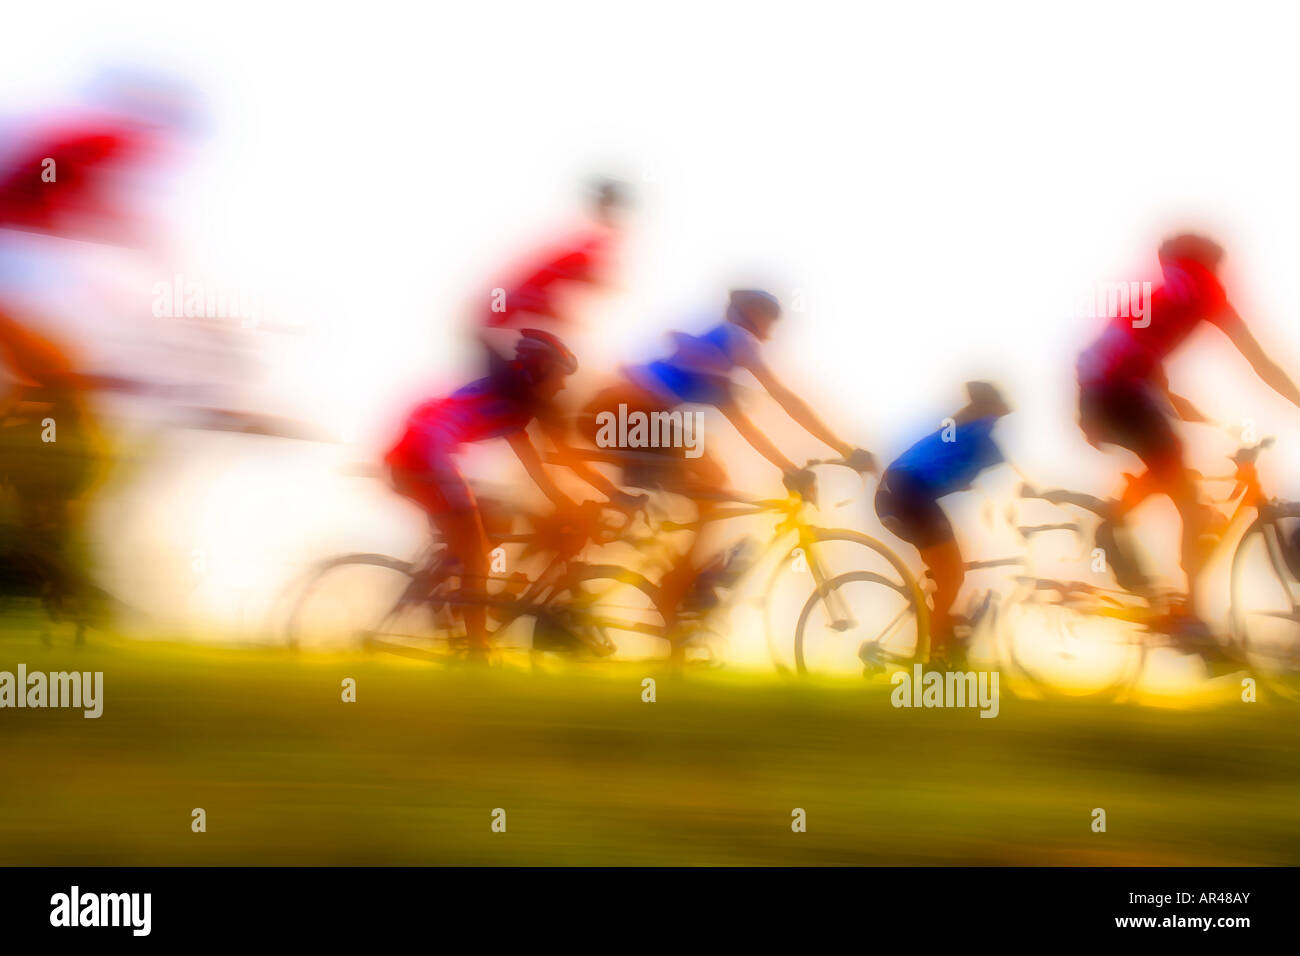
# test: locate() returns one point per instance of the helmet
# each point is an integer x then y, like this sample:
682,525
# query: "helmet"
536,346
1191,246
609,193
755,300
987,399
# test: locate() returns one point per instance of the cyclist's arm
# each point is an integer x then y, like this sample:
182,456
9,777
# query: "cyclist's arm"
566,456
762,444
526,451
1270,373
796,408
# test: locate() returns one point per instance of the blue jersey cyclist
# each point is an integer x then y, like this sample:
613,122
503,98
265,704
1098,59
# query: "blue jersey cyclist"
907,501
700,370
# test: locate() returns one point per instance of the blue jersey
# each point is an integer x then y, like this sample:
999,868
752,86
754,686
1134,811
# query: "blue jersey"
700,368
942,467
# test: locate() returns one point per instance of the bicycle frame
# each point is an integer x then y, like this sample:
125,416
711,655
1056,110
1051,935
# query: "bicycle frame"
1247,492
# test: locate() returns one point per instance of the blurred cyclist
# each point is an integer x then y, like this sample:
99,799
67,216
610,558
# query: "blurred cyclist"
82,172
1125,400
423,464
700,372
907,502
537,295
70,180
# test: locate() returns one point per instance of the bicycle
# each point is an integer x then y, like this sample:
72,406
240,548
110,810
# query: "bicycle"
376,601
988,631
797,548
1119,658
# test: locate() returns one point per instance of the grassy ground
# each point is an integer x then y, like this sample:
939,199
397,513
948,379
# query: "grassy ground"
589,774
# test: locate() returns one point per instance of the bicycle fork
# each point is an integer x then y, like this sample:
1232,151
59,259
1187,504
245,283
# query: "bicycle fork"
840,617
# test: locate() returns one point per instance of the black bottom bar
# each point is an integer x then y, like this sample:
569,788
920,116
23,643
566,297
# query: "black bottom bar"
444,905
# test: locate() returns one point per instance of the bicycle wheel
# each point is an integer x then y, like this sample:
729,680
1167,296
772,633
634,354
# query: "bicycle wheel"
886,624
372,601
1060,650
831,553
1264,615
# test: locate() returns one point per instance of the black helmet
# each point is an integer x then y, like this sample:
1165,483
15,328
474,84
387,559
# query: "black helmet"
536,346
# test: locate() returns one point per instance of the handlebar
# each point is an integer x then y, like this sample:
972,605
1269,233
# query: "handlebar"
1247,454
812,463
1244,458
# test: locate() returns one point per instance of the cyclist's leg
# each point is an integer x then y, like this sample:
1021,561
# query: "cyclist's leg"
463,532
699,479
666,469
1171,477
1133,416
947,569
908,512
453,510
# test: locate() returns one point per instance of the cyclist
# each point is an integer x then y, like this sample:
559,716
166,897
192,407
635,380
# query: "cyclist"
537,295
75,173
700,372
946,461
1125,399
423,464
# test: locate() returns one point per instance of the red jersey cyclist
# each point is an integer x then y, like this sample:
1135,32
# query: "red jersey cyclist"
1125,400
424,468
538,293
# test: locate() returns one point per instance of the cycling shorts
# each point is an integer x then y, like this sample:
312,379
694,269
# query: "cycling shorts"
910,511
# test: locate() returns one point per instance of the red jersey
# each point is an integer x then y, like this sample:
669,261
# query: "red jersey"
1190,294
82,151
583,259
437,428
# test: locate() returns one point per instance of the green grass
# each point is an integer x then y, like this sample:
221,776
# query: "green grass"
589,774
